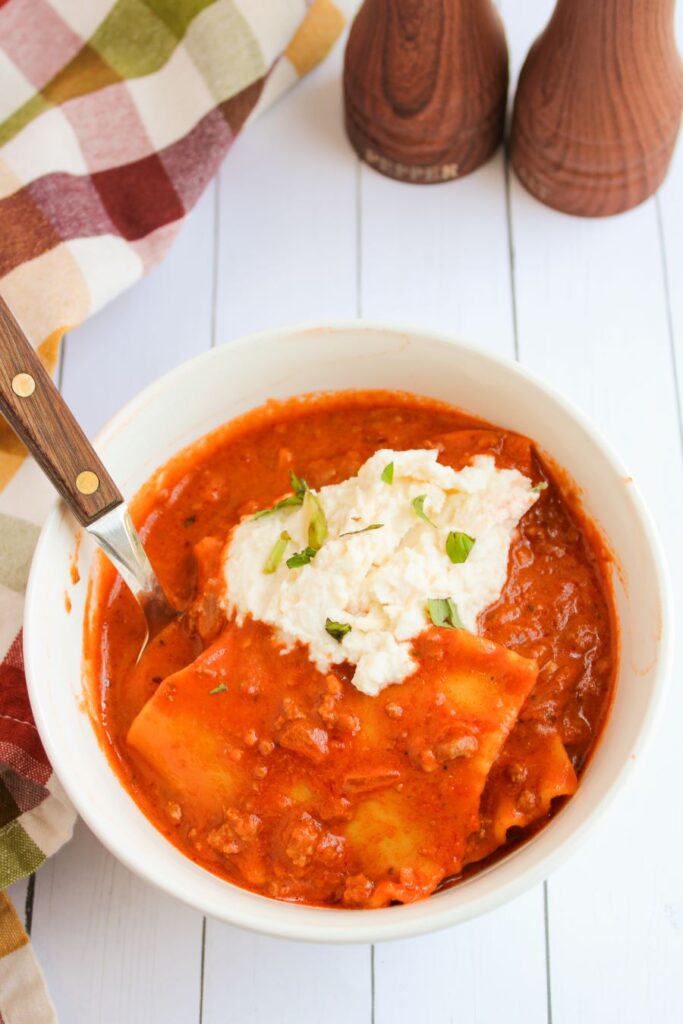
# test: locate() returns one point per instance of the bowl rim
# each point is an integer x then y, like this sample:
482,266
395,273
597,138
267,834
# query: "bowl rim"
386,923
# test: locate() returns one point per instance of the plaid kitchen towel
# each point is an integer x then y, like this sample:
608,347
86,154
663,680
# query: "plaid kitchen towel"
114,116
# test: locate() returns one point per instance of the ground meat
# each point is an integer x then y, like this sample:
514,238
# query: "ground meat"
305,738
357,891
458,746
370,780
233,834
301,840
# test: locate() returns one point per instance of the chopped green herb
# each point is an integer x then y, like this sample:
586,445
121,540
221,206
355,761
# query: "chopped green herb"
338,630
388,473
372,526
317,522
458,546
301,558
291,501
276,553
299,487
221,688
542,486
443,612
419,506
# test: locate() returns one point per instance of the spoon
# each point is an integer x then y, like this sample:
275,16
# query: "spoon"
41,418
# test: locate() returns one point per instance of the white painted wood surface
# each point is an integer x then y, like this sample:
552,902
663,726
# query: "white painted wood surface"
294,229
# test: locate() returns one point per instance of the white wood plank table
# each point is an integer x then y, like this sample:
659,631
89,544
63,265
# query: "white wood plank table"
295,229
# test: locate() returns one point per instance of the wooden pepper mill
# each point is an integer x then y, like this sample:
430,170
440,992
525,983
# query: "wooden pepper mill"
425,86
598,105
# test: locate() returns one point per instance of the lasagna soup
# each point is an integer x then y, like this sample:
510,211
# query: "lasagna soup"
395,651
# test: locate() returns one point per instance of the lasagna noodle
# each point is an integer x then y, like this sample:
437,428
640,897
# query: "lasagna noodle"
461,708
396,778
532,770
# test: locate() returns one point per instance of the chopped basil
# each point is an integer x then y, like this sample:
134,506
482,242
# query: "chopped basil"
542,486
388,473
301,558
299,486
289,502
419,506
443,612
372,526
276,553
221,688
317,522
338,630
458,546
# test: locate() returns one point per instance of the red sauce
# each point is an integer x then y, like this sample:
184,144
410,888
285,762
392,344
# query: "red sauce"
292,783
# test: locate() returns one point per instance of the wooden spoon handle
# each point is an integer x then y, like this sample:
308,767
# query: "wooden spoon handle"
39,415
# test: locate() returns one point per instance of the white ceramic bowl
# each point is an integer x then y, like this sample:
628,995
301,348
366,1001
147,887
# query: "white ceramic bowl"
225,382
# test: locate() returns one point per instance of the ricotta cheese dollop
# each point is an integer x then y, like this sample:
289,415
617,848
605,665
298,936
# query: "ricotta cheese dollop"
378,582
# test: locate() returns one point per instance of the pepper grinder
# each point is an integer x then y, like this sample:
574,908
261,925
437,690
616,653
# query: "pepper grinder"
598,106
425,86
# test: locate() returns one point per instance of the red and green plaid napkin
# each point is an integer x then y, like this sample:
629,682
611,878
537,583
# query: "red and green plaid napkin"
114,116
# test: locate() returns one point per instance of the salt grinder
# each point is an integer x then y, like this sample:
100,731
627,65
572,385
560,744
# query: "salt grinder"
425,86
598,105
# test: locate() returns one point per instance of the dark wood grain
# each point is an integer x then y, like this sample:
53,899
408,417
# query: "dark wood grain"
425,86
598,106
47,426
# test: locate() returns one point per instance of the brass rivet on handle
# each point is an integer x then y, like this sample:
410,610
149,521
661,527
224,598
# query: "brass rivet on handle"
23,385
87,482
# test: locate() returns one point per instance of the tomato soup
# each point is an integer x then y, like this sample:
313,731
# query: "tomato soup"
256,751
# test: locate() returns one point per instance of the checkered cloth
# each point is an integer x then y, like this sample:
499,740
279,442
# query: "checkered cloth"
114,116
